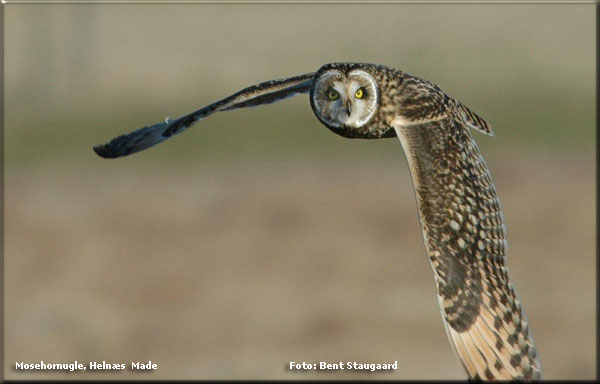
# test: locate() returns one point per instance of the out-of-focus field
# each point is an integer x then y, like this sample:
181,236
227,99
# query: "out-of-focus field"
259,237
235,272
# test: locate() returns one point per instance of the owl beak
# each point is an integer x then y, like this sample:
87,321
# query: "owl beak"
348,107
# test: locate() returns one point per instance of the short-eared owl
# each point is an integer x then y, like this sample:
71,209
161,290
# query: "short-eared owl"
462,224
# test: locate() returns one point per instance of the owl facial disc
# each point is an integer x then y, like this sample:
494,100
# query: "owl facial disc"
345,100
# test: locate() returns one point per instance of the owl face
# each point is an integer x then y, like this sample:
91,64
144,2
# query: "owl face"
344,100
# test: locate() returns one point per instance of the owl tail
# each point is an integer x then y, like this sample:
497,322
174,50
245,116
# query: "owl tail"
474,121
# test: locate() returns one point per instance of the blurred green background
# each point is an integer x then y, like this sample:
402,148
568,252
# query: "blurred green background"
259,237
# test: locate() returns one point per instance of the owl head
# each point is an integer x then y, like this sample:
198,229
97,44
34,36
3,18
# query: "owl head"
345,98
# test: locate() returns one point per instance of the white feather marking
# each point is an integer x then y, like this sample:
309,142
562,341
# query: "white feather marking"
401,121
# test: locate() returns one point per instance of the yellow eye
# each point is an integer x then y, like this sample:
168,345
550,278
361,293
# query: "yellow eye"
359,93
333,95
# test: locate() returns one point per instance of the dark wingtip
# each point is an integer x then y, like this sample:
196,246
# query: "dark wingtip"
104,151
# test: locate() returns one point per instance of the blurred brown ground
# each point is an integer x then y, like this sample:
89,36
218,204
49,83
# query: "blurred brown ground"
259,237
234,272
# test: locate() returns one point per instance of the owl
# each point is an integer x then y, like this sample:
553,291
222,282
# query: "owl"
458,208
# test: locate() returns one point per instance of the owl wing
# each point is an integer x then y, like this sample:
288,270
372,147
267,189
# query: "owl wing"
264,93
464,237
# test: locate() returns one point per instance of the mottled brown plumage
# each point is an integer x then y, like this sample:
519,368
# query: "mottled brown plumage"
463,227
463,231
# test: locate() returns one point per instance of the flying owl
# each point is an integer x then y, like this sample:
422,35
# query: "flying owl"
459,212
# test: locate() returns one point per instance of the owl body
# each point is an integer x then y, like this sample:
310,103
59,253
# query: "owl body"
457,204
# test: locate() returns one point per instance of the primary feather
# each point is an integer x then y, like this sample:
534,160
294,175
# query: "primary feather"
146,137
464,237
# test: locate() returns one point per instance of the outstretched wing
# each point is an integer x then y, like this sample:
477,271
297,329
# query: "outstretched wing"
465,241
263,93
